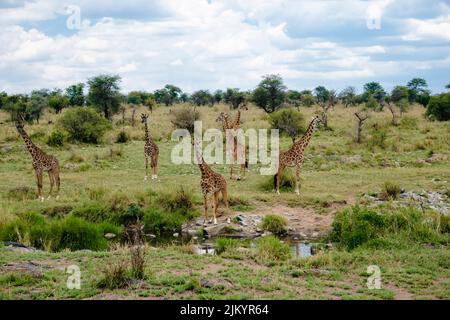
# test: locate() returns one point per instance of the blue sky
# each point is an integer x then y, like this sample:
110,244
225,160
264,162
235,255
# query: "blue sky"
201,44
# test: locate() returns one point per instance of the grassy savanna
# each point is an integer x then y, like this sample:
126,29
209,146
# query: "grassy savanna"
337,170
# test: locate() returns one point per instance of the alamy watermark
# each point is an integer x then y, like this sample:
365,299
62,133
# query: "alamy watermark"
235,143
74,21
74,280
374,280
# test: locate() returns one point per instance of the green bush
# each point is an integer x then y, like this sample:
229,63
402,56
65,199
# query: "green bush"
377,139
68,233
439,107
76,234
57,138
391,190
93,212
84,125
362,226
162,223
180,201
224,244
274,223
289,121
287,182
122,137
271,249
115,276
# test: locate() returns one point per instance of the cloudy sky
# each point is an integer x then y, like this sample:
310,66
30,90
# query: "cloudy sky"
218,44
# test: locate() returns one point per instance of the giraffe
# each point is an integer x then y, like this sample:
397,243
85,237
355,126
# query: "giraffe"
237,121
235,125
41,162
211,183
150,150
294,156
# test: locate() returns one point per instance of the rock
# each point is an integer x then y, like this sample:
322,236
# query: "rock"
110,236
176,234
150,235
69,166
206,283
228,220
352,159
267,233
6,149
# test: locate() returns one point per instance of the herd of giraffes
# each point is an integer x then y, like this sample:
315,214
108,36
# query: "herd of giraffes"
212,183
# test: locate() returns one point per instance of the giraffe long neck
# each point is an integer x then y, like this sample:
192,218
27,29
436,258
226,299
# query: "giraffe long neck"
225,123
237,122
28,143
203,166
147,134
304,141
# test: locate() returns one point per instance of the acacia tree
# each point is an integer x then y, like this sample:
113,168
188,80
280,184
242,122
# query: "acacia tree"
361,117
104,94
234,98
416,87
270,93
202,98
58,102
75,95
323,100
348,96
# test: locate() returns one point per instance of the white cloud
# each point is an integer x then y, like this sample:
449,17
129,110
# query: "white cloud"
438,28
199,45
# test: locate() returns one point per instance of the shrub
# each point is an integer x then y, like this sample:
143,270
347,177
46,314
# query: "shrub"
181,201
77,234
274,223
378,139
57,138
391,190
115,276
361,226
224,244
131,215
93,212
439,107
287,182
122,137
162,223
288,121
21,193
271,249
184,118
137,262
69,233
84,125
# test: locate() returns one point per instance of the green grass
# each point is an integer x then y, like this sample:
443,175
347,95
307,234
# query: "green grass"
104,184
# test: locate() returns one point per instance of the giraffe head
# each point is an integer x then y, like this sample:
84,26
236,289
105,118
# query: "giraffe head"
243,106
222,117
19,121
315,121
144,117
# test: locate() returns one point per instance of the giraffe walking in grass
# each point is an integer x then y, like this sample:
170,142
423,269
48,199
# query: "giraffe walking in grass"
151,151
235,125
212,183
42,162
295,155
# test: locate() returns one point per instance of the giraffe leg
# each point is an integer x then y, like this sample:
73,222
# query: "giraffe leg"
280,171
58,182
146,168
154,167
215,204
39,185
205,204
52,182
225,197
297,179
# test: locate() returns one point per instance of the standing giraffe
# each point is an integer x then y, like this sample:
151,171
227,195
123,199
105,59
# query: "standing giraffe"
227,125
41,162
237,122
294,156
211,183
150,150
